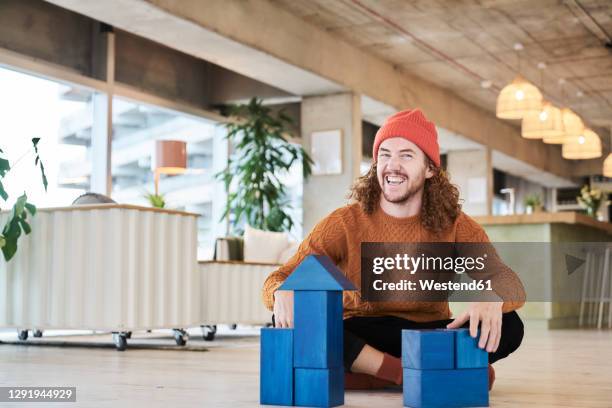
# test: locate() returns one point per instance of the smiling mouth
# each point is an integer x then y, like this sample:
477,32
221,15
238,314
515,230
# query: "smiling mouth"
394,180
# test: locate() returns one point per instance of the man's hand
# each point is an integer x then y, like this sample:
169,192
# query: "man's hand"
283,308
489,315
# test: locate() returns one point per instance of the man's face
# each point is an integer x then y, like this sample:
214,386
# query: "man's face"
401,169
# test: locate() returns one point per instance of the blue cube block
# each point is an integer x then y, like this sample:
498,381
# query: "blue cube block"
276,367
318,329
467,352
319,387
428,349
446,388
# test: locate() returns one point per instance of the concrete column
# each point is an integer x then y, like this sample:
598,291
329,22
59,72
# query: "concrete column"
471,171
325,193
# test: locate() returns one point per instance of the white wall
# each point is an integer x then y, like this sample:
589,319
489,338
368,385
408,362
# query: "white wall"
325,193
468,171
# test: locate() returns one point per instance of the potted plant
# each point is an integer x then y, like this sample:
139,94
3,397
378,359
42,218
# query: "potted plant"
156,200
533,203
261,153
590,200
17,221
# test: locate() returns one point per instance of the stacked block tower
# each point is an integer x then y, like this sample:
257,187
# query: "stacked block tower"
303,366
444,368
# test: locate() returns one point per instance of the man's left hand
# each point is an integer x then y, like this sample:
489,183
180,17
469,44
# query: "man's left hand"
489,315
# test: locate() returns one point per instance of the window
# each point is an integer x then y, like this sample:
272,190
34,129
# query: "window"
65,118
61,117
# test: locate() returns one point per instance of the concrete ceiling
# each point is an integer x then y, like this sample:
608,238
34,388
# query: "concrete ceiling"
461,44
319,47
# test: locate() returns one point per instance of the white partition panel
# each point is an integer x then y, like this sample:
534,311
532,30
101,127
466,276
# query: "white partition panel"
105,267
231,292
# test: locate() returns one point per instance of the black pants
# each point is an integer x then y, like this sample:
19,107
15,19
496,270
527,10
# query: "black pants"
385,334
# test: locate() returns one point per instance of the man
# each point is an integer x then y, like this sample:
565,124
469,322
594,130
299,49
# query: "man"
405,197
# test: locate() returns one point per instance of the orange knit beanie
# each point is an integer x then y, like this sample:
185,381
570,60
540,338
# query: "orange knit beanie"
412,125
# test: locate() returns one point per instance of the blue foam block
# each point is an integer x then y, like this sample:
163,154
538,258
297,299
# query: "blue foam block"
317,272
428,349
276,367
318,329
319,387
467,352
446,388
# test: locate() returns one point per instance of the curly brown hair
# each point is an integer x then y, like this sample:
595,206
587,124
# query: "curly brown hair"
439,209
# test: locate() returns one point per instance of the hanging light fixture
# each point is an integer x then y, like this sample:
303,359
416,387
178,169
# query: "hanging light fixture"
572,128
607,166
548,122
170,158
518,99
585,146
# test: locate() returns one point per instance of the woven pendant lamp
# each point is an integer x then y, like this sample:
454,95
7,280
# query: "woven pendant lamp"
585,146
572,127
545,123
607,166
518,99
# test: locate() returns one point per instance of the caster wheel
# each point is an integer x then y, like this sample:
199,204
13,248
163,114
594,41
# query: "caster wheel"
128,335
22,335
120,341
180,337
233,326
208,332
37,333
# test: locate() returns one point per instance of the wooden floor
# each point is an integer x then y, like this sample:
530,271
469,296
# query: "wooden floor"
552,369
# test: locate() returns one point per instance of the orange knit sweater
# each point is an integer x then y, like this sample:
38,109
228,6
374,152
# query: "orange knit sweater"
339,236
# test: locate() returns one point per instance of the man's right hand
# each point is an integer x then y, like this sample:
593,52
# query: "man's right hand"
283,308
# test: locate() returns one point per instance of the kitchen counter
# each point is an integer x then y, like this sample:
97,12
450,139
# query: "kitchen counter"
545,218
557,231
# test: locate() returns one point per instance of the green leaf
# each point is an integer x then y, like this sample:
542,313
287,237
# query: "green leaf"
3,192
31,208
44,177
25,226
11,232
20,205
9,249
38,162
5,166
2,241
12,229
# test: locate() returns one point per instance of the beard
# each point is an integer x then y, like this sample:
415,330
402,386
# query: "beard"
412,189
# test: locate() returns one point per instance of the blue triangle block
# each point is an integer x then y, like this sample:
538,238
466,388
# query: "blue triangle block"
317,272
